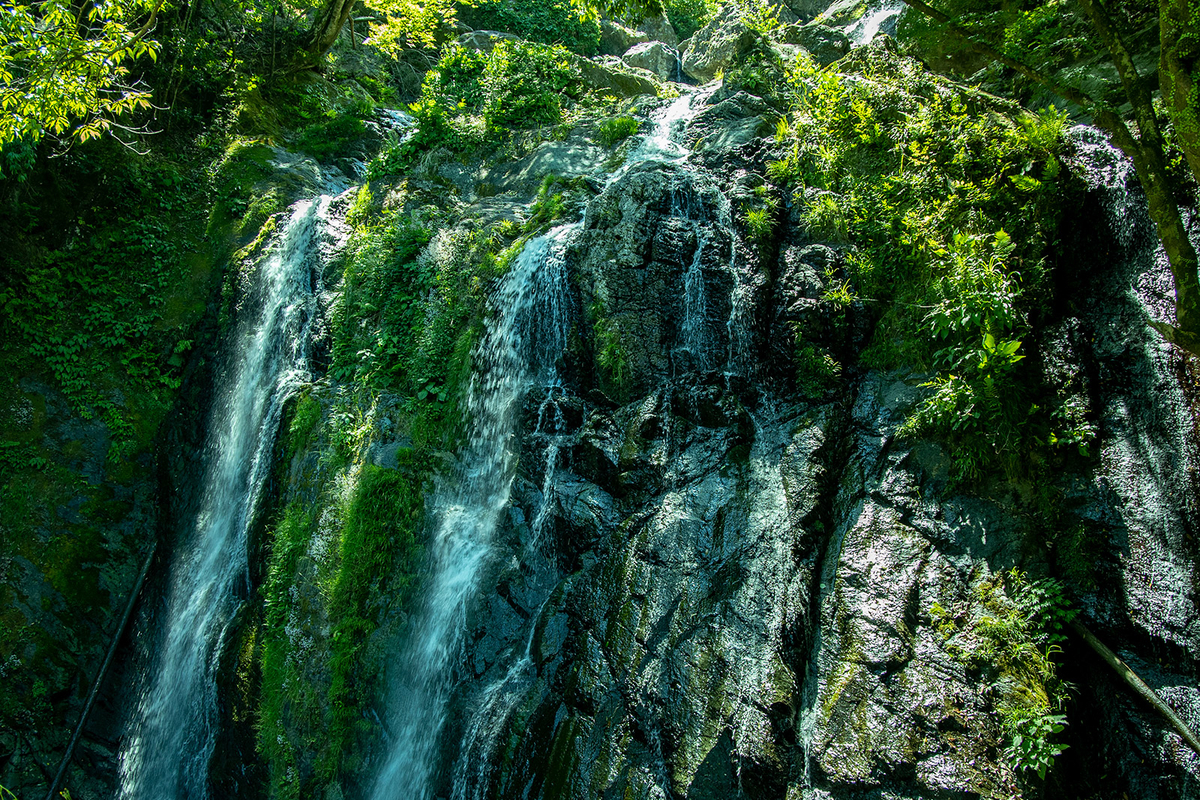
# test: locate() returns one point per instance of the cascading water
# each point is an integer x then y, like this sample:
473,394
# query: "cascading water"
882,18
520,350
523,341
662,145
695,306
174,725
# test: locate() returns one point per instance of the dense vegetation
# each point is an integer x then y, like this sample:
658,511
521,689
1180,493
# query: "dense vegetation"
127,257
927,179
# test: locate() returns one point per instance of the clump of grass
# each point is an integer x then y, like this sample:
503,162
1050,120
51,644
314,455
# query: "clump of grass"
616,129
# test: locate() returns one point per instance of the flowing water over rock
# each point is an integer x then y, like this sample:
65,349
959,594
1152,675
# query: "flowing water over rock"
522,343
881,18
173,732
715,592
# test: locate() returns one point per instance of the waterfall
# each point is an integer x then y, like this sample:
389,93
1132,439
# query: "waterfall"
174,723
522,342
695,306
882,18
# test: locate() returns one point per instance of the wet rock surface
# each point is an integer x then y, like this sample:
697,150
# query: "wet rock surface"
659,58
735,594
717,45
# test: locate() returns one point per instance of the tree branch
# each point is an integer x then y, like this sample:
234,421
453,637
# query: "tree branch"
141,34
1062,90
1138,684
1136,88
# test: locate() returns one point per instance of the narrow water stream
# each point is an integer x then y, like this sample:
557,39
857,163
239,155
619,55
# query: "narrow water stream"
174,725
521,345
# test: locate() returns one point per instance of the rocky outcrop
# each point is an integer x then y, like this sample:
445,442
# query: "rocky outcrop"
659,29
614,78
484,41
823,43
746,594
616,39
655,57
717,45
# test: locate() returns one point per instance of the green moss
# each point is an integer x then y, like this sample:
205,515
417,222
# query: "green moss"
288,707
380,537
1010,637
245,164
612,356
331,137
304,418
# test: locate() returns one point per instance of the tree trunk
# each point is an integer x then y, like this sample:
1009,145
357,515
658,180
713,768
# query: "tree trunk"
328,26
1150,162
1179,72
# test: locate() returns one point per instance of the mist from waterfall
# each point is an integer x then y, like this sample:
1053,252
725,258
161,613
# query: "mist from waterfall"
175,722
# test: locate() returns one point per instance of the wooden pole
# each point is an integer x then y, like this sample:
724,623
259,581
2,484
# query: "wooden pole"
1138,685
112,649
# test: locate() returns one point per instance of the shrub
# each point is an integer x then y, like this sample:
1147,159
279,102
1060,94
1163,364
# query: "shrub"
1013,640
470,97
616,129
925,178
526,83
689,16
557,22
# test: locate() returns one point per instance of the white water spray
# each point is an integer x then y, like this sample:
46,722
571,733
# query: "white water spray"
521,345
174,726
874,20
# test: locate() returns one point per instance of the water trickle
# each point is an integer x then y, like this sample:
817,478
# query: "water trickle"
738,325
881,18
521,346
174,724
695,307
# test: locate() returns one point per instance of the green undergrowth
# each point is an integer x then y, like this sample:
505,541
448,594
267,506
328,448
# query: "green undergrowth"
407,322
1012,637
102,312
472,99
323,601
557,198
689,16
611,355
616,129
380,557
574,26
947,202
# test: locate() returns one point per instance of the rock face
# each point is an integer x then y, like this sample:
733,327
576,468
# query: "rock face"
823,43
616,78
737,594
616,39
708,584
659,29
484,41
659,58
806,10
717,45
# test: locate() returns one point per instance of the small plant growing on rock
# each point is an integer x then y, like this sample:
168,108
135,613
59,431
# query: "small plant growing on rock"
1031,747
1012,636
760,221
616,129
